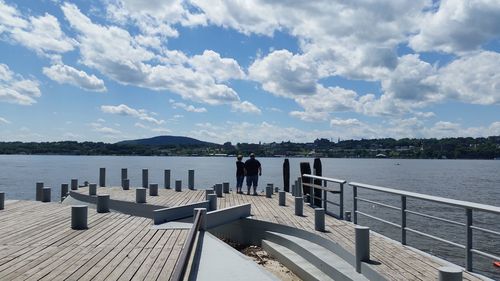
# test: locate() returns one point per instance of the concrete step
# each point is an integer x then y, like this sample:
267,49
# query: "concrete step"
295,262
325,260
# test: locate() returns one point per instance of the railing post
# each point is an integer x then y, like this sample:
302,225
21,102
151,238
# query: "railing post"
468,237
341,201
354,205
403,219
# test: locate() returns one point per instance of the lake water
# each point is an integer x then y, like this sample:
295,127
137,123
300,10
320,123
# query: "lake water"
470,180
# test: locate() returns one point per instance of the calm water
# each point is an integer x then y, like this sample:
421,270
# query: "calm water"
470,180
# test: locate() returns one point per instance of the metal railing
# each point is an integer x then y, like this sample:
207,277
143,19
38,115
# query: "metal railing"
469,207
325,191
181,271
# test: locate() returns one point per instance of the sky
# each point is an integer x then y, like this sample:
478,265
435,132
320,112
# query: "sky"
248,70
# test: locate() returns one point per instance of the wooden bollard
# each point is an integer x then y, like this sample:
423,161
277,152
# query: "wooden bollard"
2,200
212,202
103,203
208,192
126,184
225,187
124,175
46,194
299,206
362,245
39,187
79,217
269,191
64,191
92,189
102,177
178,185
282,198
191,179
140,195
145,179
319,219
218,190
74,184
167,179
450,273
153,189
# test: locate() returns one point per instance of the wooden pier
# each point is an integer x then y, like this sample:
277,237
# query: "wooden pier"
37,243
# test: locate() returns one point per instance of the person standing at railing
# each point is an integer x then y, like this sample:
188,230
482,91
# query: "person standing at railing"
240,174
253,170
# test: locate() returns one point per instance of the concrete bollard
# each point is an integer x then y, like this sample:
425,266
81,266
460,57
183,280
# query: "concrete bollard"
276,189
79,217
145,179
282,198
269,191
126,184
347,215
218,190
64,191
362,245
103,203
450,273
225,187
74,184
124,175
299,206
38,194
208,192
140,195
212,202
92,189
46,194
2,200
203,217
191,179
293,190
102,177
272,187
178,185
167,179
153,189
299,187
319,219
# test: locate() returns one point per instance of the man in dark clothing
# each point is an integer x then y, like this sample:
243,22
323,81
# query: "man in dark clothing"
253,170
240,174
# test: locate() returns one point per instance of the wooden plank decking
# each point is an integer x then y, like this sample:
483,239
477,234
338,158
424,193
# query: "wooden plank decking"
37,243
397,262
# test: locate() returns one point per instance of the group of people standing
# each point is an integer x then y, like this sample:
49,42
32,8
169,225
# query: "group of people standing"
250,169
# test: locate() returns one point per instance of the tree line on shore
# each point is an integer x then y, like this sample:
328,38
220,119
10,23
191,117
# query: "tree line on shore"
449,148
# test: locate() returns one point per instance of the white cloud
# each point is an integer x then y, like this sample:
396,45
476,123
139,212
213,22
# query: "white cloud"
310,116
222,69
100,128
124,110
15,89
66,74
245,107
42,34
116,53
188,108
458,26
345,122
4,121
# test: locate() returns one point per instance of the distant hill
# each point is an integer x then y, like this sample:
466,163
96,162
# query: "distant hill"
167,140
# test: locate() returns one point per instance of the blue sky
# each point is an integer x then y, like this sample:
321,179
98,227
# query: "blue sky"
248,71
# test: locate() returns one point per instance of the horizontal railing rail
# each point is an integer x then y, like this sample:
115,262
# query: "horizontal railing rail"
325,191
469,208
180,269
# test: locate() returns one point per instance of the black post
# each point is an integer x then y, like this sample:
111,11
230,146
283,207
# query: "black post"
305,168
317,172
286,175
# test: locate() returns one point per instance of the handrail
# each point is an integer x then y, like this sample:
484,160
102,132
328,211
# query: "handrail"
324,187
181,264
447,201
469,207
